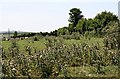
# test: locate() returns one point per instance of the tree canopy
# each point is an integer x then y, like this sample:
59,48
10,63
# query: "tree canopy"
77,23
75,16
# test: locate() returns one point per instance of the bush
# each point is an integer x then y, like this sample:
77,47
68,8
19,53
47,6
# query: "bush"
35,39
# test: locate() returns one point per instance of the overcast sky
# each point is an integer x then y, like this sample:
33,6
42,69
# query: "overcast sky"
47,15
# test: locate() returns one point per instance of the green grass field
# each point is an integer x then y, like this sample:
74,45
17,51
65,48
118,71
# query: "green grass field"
83,71
39,45
22,43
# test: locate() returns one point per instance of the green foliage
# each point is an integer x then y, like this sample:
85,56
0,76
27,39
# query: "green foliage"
54,33
14,50
75,16
112,34
81,26
35,39
15,34
54,60
63,31
103,19
46,70
90,24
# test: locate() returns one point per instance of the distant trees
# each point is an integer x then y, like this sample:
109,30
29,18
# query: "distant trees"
63,31
98,23
53,33
81,25
102,19
15,34
75,16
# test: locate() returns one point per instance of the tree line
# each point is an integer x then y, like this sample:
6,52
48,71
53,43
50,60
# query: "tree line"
77,23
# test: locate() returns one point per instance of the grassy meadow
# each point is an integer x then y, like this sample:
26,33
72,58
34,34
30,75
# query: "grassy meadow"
83,70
